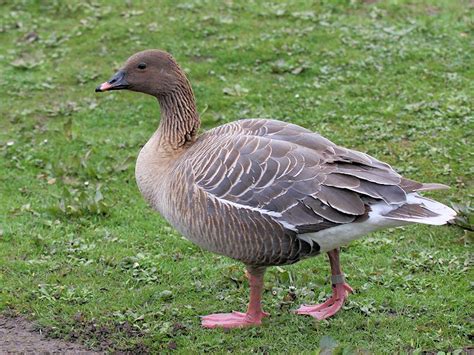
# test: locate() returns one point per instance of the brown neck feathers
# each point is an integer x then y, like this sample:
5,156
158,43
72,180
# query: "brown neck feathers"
179,118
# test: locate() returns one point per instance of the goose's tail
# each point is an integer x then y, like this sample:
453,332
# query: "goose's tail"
419,209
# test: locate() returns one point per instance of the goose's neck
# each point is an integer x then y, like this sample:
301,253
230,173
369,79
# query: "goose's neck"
180,122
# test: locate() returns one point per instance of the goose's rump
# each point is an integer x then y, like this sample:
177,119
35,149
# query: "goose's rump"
315,190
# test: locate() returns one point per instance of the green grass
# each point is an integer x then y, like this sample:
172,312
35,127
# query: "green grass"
82,254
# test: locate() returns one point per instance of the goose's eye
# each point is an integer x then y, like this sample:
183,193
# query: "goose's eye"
141,66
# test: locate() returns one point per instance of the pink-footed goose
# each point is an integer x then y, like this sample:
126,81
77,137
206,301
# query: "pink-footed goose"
262,191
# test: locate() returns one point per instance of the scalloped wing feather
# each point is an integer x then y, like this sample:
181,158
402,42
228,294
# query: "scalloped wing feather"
306,182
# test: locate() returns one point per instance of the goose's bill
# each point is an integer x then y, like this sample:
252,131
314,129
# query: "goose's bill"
117,82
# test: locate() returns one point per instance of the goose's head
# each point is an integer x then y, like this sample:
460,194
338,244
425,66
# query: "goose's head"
152,72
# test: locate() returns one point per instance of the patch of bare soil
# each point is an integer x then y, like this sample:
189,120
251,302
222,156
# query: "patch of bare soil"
17,335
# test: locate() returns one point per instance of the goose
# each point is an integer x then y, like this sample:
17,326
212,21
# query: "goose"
262,191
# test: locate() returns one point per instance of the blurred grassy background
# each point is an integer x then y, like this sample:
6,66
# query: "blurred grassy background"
81,253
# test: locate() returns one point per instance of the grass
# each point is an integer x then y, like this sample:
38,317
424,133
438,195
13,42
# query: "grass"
82,254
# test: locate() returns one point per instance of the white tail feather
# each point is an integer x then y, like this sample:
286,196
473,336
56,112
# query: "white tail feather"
443,212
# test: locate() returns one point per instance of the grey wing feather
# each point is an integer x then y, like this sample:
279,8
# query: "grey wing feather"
304,181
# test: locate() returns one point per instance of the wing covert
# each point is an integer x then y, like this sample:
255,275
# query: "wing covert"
302,180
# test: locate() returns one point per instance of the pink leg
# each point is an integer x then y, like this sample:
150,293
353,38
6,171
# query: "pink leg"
340,291
254,313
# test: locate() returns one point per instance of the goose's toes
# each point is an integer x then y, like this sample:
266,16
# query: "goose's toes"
308,309
327,312
232,320
222,316
331,306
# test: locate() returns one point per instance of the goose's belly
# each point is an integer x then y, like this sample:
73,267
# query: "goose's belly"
213,236
239,234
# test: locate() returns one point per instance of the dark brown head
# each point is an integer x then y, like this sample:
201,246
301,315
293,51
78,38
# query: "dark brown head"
153,72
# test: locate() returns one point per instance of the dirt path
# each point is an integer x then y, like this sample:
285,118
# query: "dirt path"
18,335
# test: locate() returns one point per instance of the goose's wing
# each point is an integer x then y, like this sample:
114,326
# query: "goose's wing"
299,178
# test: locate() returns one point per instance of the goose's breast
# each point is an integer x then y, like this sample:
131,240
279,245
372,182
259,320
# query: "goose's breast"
151,176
